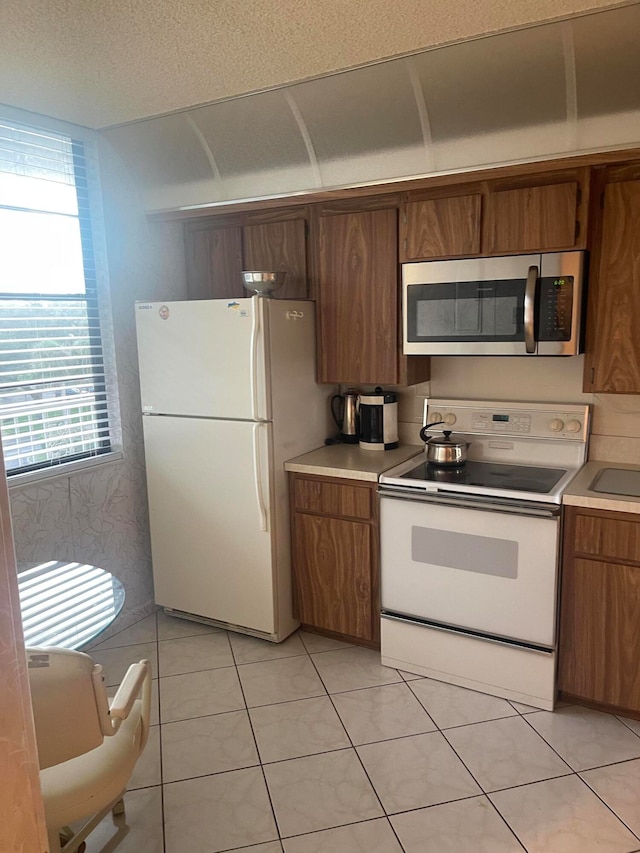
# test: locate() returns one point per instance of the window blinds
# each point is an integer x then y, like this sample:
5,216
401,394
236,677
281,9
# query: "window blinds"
53,405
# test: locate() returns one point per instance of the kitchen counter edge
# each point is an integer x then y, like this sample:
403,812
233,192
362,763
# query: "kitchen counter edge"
578,492
350,462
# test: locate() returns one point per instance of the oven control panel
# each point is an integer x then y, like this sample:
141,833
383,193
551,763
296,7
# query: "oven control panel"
528,420
500,422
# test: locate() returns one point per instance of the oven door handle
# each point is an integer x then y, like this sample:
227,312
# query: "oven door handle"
537,510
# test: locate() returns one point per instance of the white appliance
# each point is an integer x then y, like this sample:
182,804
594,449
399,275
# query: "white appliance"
228,394
470,554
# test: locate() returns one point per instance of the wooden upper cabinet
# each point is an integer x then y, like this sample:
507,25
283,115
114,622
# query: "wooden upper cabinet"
612,364
279,246
358,297
531,219
441,228
214,261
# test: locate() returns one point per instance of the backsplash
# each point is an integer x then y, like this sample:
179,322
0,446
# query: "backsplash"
615,418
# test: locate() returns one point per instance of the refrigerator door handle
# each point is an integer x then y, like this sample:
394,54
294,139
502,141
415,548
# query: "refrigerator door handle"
257,472
253,358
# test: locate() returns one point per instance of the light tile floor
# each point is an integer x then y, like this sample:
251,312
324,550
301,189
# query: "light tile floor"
311,746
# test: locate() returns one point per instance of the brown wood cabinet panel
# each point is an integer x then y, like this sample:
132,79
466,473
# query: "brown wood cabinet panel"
279,246
441,227
332,580
613,356
528,219
214,261
358,298
333,498
600,633
608,537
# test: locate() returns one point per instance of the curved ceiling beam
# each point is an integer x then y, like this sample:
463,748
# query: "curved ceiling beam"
205,146
306,137
571,85
421,104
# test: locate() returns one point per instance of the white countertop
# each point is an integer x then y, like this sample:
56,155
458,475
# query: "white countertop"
578,492
350,462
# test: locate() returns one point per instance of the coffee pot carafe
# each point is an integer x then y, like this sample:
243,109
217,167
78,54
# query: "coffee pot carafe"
378,420
344,408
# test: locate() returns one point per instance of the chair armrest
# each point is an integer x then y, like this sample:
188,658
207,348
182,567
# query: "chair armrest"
129,690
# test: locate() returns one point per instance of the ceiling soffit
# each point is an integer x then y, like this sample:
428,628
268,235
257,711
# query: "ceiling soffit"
541,92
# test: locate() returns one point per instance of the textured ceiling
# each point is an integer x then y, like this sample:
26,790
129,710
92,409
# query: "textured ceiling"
104,63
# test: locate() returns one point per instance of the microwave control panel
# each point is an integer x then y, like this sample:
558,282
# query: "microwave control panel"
555,308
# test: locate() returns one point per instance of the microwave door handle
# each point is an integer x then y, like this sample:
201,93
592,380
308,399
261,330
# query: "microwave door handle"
529,310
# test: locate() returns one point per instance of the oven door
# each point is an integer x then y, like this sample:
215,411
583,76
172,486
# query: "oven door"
479,569
470,307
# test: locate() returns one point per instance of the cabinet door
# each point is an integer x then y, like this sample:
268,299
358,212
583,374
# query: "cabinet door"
358,298
214,261
441,228
531,219
600,633
612,364
279,246
332,578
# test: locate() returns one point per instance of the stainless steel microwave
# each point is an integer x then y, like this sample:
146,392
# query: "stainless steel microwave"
515,305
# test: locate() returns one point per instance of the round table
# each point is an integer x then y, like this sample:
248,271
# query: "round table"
66,604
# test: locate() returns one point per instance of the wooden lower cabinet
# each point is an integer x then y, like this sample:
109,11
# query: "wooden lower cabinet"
334,532
599,652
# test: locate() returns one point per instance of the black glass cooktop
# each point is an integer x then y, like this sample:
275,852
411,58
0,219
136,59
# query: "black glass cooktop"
490,475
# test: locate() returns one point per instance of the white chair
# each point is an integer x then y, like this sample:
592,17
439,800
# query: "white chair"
87,747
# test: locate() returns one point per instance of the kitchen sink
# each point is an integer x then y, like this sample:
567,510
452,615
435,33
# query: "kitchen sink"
617,481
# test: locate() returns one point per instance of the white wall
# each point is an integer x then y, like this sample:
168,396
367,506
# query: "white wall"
99,515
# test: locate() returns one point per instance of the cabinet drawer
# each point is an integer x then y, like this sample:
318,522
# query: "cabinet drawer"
333,498
607,537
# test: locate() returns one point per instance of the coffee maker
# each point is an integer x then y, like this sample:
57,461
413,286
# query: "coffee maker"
378,420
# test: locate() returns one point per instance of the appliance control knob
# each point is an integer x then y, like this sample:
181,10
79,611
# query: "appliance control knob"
574,426
450,419
435,418
556,425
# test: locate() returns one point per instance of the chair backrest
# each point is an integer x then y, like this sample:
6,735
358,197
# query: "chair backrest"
68,710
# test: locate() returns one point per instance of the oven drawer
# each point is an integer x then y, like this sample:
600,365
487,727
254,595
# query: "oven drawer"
488,572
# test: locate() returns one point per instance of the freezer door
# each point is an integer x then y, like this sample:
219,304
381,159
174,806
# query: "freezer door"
202,358
209,506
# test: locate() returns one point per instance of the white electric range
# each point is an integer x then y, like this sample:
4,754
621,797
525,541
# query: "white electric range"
470,555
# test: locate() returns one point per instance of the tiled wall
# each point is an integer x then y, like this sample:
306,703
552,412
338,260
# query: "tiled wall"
99,515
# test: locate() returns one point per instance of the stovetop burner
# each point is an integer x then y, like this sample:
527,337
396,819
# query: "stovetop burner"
490,475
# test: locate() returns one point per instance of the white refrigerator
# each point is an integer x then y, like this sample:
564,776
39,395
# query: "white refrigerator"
228,395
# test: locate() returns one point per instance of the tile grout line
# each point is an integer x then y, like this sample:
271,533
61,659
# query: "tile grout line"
255,741
484,793
353,747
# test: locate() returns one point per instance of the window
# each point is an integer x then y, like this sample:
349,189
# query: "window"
53,389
